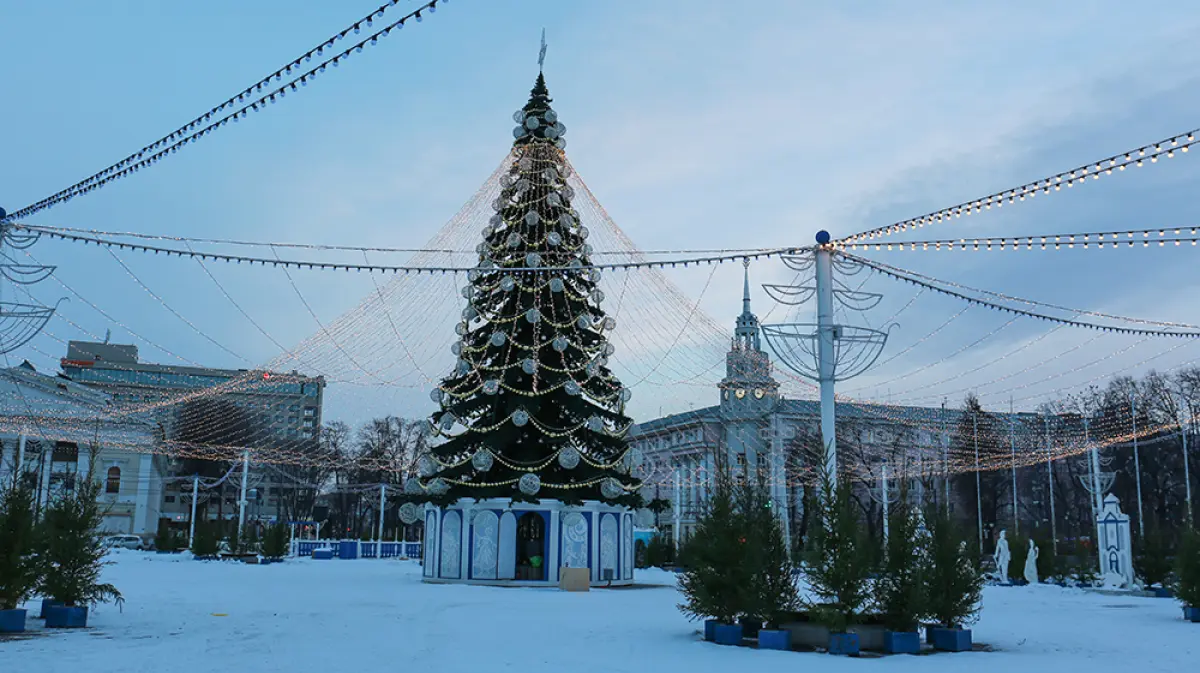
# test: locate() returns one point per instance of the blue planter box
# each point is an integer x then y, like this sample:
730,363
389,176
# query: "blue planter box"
951,640
322,554
843,643
901,642
62,617
12,621
1160,592
348,549
1191,614
727,634
770,639
46,605
710,629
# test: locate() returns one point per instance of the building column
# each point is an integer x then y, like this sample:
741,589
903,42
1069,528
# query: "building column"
141,510
44,485
779,489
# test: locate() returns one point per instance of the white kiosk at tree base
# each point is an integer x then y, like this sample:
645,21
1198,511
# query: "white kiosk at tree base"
1114,546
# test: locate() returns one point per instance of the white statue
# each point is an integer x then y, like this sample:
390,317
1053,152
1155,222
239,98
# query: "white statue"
1031,575
1001,558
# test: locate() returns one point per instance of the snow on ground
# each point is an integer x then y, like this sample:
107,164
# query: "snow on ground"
373,615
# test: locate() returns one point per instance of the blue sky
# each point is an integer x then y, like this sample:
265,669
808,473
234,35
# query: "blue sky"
696,124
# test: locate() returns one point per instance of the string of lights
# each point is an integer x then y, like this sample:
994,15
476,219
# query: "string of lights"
909,277
1093,169
251,99
1094,240
348,248
377,268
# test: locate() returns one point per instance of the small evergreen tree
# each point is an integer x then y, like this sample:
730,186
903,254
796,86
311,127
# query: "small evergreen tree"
72,551
275,541
1151,557
250,542
1018,548
1047,560
837,561
715,582
1085,564
900,587
20,568
206,541
1187,570
771,592
659,551
953,583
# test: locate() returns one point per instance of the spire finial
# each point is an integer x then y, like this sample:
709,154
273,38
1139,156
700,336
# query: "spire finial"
542,52
746,287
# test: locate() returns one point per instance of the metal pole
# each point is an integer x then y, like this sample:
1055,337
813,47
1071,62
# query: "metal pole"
884,499
1012,444
1050,479
20,452
825,353
192,519
1137,466
676,514
1098,497
382,504
945,458
1187,479
978,485
242,503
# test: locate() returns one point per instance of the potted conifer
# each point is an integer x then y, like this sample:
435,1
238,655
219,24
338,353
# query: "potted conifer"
1151,561
900,587
714,583
770,570
73,555
837,566
20,570
205,544
275,543
953,585
1187,571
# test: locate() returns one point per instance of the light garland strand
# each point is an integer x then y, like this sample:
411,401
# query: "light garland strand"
177,139
1093,169
900,274
1094,240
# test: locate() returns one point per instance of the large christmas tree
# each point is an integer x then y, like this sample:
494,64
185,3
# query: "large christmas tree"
531,410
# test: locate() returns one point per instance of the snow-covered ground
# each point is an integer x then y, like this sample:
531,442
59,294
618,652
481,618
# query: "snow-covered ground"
184,616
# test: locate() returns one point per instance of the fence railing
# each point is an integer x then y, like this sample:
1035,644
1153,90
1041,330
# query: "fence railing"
351,549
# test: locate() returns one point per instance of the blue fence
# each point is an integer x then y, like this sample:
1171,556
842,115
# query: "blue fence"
357,549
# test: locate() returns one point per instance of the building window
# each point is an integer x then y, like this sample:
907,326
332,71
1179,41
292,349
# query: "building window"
113,483
168,498
309,411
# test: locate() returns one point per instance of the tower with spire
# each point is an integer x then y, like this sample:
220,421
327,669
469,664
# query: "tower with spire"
748,389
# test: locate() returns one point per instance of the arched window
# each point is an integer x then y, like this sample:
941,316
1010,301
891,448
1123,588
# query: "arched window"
113,483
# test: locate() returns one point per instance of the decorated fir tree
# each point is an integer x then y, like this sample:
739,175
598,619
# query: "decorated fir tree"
531,409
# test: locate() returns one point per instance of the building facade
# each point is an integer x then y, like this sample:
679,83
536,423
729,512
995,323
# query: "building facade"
52,431
283,410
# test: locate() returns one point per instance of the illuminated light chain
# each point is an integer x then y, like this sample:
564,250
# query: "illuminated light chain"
901,274
1094,240
381,268
1094,169
469,252
204,124
989,363
173,312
